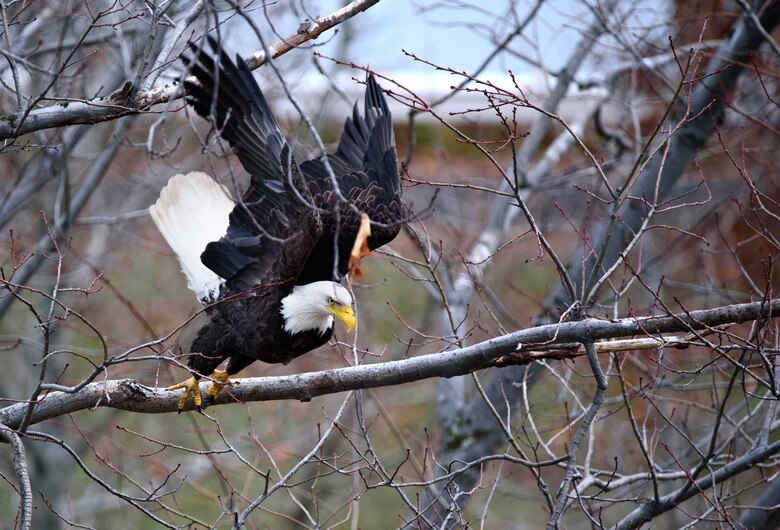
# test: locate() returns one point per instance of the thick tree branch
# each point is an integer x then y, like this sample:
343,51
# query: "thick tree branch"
123,102
134,397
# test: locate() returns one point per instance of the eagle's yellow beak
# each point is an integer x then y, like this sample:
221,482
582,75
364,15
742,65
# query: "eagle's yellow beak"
345,314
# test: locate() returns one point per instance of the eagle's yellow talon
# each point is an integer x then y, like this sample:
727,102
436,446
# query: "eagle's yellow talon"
190,386
221,379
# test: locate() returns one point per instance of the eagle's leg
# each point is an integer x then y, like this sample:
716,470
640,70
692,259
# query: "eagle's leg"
190,386
222,377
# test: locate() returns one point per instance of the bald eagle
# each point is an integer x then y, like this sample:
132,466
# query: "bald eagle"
268,266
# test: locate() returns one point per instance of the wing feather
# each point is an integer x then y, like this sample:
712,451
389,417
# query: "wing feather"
271,231
366,171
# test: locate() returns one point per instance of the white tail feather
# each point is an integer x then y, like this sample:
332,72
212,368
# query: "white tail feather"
192,211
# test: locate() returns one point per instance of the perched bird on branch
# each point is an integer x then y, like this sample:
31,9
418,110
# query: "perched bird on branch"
268,265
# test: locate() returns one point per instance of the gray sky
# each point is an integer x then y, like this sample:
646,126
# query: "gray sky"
460,38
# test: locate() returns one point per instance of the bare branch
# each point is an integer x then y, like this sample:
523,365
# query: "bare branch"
123,102
20,467
132,396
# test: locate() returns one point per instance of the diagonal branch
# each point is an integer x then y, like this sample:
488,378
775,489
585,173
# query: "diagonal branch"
132,396
123,102
647,511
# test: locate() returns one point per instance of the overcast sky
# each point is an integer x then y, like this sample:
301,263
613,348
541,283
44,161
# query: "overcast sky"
460,38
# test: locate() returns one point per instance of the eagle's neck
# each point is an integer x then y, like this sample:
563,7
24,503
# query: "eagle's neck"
303,310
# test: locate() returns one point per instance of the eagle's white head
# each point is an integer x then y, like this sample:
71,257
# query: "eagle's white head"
313,306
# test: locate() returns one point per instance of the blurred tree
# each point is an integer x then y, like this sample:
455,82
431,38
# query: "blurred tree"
588,270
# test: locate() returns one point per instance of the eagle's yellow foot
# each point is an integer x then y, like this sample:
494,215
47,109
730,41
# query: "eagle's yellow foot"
190,386
221,379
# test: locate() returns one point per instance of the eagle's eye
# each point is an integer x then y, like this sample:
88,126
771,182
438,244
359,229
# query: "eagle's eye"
331,301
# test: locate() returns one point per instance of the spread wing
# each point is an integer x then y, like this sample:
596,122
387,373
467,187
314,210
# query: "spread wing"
271,231
366,172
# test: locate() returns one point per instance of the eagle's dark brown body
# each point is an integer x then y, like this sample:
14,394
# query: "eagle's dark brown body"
246,329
